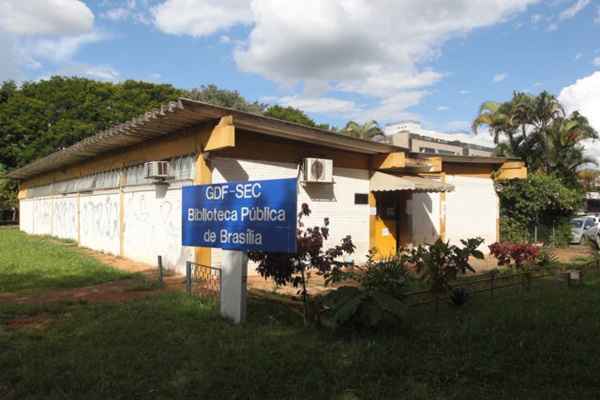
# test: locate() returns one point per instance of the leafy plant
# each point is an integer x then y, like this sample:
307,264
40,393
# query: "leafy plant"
375,301
459,296
286,268
440,263
359,307
514,254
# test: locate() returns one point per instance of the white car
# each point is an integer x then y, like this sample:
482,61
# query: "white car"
584,227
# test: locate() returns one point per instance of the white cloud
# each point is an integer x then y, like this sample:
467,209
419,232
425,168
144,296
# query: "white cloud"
552,27
393,107
463,91
45,17
574,9
200,18
597,17
459,126
378,49
63,48
117,14
578,56
97,72
318,104
535,18
596,61
443,108
499,77
584,96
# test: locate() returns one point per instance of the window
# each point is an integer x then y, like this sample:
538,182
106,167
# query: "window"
446,152
427,150
361,198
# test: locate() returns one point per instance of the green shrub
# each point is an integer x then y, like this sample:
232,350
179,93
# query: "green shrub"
375,301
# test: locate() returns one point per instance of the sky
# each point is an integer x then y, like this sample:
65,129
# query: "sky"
434,61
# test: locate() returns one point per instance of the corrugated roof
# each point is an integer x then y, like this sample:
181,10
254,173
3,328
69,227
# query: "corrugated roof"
184,113
382,182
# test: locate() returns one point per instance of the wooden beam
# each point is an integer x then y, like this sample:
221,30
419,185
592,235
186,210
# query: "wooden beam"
222,136
394,160
511,170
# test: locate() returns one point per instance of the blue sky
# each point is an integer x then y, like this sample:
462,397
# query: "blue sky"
435,61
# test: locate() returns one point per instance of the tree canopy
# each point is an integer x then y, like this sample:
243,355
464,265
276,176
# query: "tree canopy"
367,130
41,117
537,130
225,98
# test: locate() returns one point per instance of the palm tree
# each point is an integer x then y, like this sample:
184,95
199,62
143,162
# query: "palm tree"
536,129
362,131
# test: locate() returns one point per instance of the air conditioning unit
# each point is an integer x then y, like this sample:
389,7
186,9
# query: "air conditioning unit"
318,170
157,170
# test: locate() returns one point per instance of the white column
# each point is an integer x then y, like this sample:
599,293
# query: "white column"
234,277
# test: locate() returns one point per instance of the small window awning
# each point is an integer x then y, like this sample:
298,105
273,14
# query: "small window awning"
382,182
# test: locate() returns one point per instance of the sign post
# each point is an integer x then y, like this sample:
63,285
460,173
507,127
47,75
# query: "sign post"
239,217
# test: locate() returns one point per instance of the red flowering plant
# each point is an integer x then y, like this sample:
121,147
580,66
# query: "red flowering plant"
519,255
286,268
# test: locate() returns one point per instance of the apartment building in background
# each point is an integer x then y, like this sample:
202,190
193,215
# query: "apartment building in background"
411,135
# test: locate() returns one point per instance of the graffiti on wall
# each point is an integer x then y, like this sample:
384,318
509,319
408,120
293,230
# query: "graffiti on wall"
156,222
99,222
64,223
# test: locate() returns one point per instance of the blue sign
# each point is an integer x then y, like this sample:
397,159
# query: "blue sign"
247,216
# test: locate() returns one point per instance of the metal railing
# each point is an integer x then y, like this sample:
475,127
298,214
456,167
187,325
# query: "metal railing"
203,280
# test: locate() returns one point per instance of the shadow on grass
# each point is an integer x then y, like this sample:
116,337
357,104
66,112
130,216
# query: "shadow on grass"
537,345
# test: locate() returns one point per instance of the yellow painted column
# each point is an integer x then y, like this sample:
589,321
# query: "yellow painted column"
372,222
203,176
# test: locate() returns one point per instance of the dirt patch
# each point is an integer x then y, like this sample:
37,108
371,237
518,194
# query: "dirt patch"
39,322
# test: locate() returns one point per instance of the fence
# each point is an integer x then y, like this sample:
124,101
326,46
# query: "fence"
203,281
491,282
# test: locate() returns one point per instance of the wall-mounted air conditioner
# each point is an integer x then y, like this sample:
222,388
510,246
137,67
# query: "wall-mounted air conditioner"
318,170
157,170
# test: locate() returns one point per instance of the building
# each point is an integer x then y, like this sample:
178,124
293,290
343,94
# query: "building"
97,193
411,135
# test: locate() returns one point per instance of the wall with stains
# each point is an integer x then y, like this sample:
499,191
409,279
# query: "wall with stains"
118,212
152,226
99,222
64,217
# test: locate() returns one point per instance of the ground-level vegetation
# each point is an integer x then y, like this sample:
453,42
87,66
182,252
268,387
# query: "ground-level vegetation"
28,262
535,344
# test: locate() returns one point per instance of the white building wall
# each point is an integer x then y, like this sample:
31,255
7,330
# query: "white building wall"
472,209
333,201
425,210
42,216
64,217
152,226
99,221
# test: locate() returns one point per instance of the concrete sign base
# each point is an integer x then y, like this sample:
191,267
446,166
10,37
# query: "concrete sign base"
234,277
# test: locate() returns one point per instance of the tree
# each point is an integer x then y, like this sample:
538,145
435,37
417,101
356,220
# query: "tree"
290,114
539,206
44,116
537,130
362,131
224,98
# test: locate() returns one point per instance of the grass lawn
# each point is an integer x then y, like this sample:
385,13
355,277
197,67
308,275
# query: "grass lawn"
542,344
32,262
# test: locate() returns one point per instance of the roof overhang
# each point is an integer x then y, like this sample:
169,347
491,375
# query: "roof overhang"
465,159
382,182
185,113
